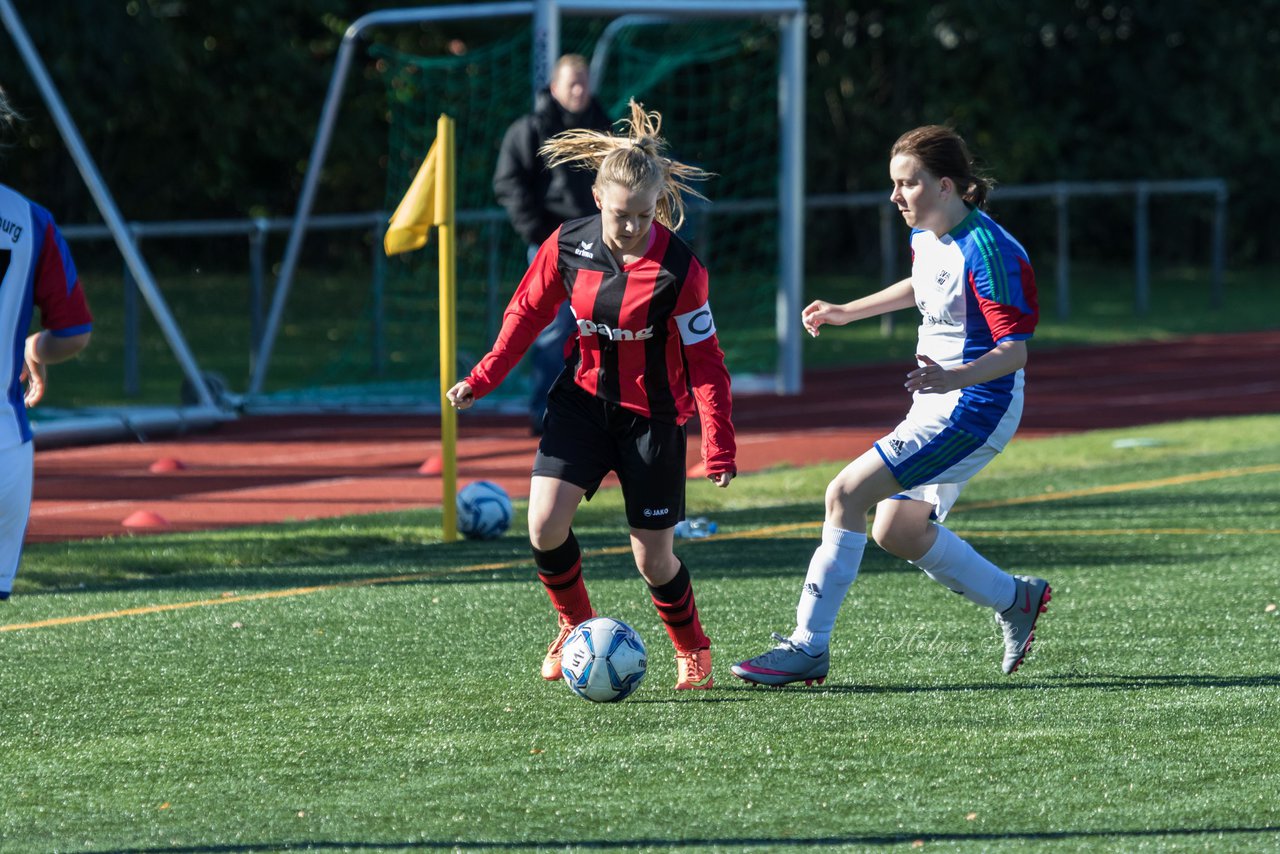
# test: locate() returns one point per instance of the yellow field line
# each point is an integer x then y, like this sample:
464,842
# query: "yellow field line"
755,533
1122,532
281,594
1178,480
776,530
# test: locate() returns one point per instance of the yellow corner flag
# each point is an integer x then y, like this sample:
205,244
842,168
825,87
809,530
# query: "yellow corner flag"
429,202
411,223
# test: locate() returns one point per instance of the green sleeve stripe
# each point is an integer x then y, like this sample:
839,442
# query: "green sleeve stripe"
996,273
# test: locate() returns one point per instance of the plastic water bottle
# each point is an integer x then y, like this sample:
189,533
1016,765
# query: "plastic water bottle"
696,528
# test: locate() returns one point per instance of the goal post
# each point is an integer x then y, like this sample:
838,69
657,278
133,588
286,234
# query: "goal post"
719,72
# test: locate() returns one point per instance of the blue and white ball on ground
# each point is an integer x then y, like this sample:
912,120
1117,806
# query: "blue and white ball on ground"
603,660
484,510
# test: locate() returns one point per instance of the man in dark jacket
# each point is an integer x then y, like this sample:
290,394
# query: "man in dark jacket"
538,200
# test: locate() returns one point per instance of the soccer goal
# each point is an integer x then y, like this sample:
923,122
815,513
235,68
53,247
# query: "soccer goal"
728,80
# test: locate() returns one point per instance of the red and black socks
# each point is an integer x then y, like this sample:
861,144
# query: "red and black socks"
560,571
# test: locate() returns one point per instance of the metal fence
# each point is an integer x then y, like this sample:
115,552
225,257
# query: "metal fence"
1060,194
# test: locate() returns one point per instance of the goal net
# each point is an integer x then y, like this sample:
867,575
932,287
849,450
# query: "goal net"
715,83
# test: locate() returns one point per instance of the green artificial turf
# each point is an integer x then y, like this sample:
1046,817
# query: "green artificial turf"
359,685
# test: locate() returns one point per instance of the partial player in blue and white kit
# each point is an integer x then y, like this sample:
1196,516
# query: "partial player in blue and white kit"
36,271
975,289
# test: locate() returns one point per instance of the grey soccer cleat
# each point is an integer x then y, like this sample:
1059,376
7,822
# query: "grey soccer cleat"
1018,621
783,664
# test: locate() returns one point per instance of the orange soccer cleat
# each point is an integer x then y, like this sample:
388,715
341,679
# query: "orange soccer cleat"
693,670
551,663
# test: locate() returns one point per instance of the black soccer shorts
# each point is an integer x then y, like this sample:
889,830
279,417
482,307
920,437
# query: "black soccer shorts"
585,438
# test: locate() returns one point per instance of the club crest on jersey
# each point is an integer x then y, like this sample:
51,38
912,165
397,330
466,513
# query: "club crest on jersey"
587,328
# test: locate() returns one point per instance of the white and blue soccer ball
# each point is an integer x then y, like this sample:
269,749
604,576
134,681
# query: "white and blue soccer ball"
484,510
603,660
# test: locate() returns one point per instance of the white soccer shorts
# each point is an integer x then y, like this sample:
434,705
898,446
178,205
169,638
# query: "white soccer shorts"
15,508
933,462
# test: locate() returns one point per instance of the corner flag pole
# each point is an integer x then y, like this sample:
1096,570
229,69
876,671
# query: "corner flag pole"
430,201
448,324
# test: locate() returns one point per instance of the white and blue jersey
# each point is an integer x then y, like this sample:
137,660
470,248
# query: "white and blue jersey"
975,288
36,271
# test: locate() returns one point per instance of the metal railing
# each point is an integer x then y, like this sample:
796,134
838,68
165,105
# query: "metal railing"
1061,193
256,231
494,222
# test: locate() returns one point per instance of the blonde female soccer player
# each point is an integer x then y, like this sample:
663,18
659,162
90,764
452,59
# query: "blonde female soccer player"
976,293
644,357
36,271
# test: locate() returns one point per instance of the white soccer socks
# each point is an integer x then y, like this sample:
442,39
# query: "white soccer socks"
832,569
955,564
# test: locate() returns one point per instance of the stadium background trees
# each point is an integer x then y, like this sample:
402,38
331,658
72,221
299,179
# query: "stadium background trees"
198,110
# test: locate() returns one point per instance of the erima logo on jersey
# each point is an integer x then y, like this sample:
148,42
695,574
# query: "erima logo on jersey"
584,249
590,327
697,325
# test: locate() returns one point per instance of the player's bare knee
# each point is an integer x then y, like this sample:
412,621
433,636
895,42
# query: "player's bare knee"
901,537
844,499
656,568
545,535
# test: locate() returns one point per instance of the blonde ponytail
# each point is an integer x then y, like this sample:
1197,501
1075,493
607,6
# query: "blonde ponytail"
634,160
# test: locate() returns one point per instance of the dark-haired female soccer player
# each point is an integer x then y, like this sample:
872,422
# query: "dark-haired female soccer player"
973,284
645,356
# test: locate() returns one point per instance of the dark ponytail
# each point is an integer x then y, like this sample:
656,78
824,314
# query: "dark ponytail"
943,154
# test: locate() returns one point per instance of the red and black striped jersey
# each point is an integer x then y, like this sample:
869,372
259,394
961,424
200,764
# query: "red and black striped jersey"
646,339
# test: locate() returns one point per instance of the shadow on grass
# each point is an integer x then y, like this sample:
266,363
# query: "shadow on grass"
729,842
367,550
361,549
371,560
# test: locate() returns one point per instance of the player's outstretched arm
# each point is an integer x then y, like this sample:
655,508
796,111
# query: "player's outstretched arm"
819,312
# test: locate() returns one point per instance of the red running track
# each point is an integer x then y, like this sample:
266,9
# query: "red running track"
264,470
